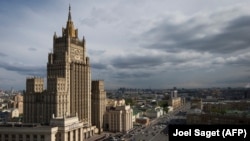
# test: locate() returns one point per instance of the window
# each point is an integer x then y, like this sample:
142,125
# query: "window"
27,137
20,137
68,136
13,137
34,137
59,136
74,135
6,136
79,133
42,138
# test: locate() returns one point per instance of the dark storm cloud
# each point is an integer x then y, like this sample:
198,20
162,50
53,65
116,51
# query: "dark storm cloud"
128,75
233,80
190,35
136,61
155,60
26,70
98,66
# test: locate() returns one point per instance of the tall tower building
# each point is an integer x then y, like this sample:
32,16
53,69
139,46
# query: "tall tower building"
63,111
68,81
69,76
98,100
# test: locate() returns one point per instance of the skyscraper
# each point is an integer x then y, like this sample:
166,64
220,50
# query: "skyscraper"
68,81
63,111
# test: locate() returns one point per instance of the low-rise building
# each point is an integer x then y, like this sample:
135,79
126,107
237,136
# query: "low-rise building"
222,112
59,129
154,112
142,121
118,117
13,112
196,103
170,108
205,118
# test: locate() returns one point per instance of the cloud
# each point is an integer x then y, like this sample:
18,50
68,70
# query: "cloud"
96,52
204,33
32,49
132,61
237,60
24,69
152,59
98,66
99,15
131,43
3,54
131,75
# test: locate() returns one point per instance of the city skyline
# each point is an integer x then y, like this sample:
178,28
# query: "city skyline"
132,44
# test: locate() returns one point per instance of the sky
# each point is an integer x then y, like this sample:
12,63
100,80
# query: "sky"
132,43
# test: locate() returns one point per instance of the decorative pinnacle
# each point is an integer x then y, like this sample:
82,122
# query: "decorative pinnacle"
69,16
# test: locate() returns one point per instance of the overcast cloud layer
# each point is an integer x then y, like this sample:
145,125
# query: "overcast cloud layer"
133,43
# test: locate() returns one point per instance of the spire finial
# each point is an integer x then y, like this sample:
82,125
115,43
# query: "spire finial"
69,16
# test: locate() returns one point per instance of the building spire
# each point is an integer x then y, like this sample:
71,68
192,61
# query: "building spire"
69,16
70,31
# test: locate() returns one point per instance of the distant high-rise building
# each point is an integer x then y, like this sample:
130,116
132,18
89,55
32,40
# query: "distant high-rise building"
98,101
173,94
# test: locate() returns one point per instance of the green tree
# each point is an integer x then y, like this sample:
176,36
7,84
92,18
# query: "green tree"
129,101
164,104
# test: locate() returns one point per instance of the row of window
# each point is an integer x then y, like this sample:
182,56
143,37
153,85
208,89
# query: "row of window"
21,137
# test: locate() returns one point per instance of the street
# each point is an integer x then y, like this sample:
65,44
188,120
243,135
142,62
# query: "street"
158,128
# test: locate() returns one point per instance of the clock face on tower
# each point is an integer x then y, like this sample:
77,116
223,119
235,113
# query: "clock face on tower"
77,54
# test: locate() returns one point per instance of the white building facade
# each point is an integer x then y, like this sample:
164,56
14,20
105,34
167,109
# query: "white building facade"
118,118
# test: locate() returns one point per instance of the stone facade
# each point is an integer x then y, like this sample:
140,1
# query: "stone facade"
33,101
59,129
118,117
63,111
98,101
68,82
27,132
175,102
